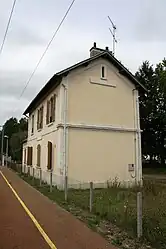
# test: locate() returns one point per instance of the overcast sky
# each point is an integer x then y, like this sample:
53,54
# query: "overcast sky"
141,34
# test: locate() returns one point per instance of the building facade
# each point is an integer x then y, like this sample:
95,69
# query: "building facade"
84,124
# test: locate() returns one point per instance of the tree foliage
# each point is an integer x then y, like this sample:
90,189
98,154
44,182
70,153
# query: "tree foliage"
153,111
16,132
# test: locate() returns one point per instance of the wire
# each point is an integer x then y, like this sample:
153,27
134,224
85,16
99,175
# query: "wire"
63,19
7,27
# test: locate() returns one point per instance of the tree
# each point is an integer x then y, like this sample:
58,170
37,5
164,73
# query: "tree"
153,110
16,132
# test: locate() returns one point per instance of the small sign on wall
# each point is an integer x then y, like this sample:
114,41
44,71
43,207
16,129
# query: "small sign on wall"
131,167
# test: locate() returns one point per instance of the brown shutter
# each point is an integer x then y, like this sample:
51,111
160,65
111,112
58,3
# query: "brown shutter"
54,107
31,155
28,156
38,154
38,120
47,113
49,166
42,117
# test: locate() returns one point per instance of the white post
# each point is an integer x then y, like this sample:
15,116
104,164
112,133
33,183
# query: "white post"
40,177
51,181
7,148
91,197
139,214
66,188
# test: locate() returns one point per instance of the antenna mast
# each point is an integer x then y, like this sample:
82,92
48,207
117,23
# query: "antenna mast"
113,34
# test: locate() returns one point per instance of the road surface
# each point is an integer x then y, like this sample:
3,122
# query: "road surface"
30,220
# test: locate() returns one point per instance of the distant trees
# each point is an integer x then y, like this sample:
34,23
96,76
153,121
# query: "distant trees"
17,132
153,111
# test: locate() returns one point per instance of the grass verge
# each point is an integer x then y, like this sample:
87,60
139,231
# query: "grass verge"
116,207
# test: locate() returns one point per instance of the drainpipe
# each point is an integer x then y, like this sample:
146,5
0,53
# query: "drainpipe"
138,139
65,129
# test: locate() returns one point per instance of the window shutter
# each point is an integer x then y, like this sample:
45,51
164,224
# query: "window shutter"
31,155
54,107
47,113
41,117
38,120
49,166
38,154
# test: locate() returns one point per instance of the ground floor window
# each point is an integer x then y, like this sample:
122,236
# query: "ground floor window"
30,156
38,155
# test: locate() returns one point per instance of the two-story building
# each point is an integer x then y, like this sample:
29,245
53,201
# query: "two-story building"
84,123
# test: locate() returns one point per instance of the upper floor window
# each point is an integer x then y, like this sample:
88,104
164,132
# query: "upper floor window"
51,105
103,72
40,118
32,127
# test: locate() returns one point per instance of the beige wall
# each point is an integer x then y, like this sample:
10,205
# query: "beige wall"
49,132
100,156
46,128
95,155
96,103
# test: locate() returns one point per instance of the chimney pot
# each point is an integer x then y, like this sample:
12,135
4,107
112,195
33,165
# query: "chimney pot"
107,48
94,44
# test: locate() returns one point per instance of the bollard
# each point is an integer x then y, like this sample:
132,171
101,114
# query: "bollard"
65,188
51,181
91,197
33,175
139,214
40,177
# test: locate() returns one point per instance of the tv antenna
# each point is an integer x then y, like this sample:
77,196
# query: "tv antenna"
113,33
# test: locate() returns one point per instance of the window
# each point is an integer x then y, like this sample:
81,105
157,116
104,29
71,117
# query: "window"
38,155
51,105
29,156
32,130
49,165
103,72
40,118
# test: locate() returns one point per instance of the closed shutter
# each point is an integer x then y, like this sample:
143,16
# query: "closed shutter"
38,113
38,154
54,108
29,156
49,166
41,117
25,155
47,113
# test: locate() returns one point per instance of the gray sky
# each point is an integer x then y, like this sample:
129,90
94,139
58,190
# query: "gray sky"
141,34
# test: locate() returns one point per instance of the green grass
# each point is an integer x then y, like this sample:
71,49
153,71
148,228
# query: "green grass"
118,206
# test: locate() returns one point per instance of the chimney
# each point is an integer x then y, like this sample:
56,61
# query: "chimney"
94,50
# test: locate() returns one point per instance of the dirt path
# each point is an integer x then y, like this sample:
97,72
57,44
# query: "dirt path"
63,229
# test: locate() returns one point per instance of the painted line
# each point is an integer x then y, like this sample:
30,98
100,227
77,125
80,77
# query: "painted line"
38,226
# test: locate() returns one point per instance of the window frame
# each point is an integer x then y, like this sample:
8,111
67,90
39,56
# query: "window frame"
40,112
51,109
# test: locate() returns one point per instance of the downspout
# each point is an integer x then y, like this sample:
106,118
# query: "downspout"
65,129
137,139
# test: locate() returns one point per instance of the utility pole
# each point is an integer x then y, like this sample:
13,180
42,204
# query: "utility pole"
7,148
113,35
